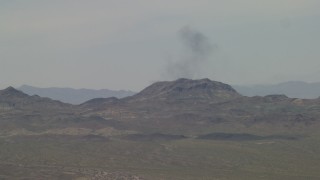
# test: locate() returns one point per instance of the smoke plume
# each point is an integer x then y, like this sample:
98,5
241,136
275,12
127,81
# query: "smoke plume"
197,52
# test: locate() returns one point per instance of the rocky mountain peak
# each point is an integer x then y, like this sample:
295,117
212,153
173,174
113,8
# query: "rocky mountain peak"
12,92
13,98
202,84
188,89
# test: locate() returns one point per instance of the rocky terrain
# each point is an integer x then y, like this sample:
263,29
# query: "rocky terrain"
202,105
170,130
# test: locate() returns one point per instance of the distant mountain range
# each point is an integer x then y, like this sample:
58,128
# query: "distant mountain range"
73,96
184,106
293,89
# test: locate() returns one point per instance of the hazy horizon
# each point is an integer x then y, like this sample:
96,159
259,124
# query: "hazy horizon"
130,44
126,89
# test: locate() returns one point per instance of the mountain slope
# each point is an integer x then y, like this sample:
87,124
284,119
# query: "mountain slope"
21,114
15,99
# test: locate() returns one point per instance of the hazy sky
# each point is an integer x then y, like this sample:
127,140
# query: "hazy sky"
128,44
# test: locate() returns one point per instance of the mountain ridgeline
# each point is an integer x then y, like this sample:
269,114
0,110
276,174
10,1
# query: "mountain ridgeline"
184,104
74,96
183,129
13,98
187,107
203,105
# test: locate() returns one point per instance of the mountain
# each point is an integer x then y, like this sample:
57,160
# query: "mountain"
194,106
293,89
73,96
186,89
13,98
183,129
185,106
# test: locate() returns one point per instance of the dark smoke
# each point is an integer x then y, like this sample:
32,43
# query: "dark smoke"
197,52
